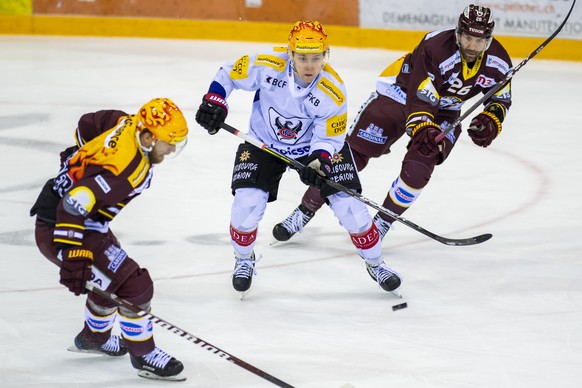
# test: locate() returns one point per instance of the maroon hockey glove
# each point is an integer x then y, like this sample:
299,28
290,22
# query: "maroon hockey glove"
317,167
212,112
424,138
76,269
484,128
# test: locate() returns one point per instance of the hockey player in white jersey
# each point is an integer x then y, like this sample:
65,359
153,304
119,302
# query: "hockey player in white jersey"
300,110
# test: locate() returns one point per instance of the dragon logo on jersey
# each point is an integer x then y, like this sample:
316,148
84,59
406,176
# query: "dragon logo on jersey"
288,130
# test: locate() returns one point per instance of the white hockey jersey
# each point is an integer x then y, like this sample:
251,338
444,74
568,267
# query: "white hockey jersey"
285,116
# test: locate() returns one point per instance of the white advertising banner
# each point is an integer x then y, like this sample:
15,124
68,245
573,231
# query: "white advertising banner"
533,18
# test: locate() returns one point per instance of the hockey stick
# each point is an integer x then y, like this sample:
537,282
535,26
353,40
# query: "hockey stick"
184,334
505,80
298,166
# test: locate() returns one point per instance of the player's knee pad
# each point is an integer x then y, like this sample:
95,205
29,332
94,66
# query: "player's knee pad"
248,208
417,169
351,213
138,289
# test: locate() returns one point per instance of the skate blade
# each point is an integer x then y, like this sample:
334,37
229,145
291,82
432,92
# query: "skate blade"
152,376
243,294
75,349
396,293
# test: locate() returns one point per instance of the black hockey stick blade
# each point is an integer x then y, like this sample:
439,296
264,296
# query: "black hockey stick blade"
298,166
463,241
187,336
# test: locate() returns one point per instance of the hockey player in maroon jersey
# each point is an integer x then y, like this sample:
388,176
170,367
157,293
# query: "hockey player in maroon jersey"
421,94
111,164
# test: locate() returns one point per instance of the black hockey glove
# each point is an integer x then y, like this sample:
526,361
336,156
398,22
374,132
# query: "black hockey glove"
76,269
212,112
424,138
484,128
317,167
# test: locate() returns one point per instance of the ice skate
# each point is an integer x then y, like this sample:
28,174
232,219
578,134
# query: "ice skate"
95,343
158,365
382,225
294,223
387,278
242,276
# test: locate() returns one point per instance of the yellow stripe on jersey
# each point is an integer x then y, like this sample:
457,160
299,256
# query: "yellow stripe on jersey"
394,68
280,49
65,241
240,69
336,125
139,174
75,226
331,90
270,61
469,72
504,90
331,71
104,213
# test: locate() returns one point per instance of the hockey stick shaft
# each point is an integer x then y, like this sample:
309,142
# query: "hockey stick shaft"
505,79
298,166
187,336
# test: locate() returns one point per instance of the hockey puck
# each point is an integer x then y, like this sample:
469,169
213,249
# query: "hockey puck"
399,306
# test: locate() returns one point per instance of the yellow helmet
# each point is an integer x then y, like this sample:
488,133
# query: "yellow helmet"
308,38
163,118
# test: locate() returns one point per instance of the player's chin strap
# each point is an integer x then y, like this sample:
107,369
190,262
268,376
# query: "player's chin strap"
505,79
184,334
298,166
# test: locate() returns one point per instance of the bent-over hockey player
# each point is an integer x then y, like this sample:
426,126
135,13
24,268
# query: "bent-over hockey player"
300,110
421,94
111,164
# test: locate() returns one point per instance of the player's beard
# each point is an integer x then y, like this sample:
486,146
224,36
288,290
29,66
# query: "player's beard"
154,157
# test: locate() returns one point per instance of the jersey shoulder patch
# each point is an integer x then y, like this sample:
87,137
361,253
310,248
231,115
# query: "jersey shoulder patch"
497,63
271,61
240,69
328,69
335,93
